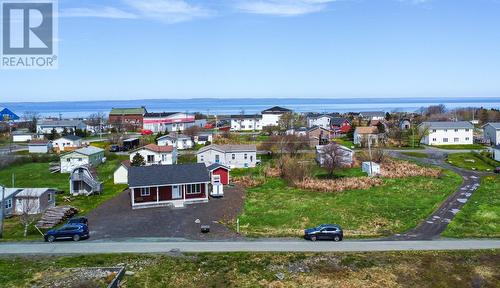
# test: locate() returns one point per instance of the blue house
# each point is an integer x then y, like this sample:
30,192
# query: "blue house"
5,113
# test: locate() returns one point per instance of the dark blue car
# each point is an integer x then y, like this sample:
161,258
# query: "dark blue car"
68,231
324,232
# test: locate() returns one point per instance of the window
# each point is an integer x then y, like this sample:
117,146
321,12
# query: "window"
251,158
8,204
216,179
151,158
201,158
467,138
193,189
245,156
466,130
445,140
233,156
445,130
49,196
164,157
217,158
434,130
145,192
434,139
456,139
456,130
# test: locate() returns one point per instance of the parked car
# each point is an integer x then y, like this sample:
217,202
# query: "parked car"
324,232
114,148
68,231
78,220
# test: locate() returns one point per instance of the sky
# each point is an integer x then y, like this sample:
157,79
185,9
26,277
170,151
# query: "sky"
146,49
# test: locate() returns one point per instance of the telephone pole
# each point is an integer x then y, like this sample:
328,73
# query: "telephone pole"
2,206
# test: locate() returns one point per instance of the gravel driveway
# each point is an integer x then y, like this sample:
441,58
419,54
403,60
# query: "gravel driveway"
115,219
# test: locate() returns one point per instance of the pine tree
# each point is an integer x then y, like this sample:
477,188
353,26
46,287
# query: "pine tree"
138,160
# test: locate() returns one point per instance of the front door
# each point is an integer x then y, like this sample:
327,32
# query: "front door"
176,192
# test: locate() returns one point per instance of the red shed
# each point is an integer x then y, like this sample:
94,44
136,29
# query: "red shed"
219,173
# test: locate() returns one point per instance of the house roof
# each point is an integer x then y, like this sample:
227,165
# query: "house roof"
276,110
60,123
317,127
373,114
39,143
448,125
495,125
256,116
22,133
90,150
338,121
174,136
156,148
128,111
217,166
71,137
159,114
126,164
158,175
367,130
229,148
9,192
33,192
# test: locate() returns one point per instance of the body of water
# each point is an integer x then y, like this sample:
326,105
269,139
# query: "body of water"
249,106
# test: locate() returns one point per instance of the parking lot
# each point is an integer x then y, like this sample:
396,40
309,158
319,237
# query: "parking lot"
115,219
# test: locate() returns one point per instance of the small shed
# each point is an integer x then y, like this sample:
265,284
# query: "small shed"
219,174
39,147
20,136
120,176
371,168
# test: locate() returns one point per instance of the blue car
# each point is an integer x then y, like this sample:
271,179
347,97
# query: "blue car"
324,232
68,231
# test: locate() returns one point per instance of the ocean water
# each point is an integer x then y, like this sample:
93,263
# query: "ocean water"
226,106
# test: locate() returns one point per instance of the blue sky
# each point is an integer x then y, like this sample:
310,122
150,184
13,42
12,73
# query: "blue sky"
135,49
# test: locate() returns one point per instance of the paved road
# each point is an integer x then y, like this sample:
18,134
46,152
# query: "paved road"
96,247
438,221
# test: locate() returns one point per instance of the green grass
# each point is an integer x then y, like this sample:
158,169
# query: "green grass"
480,217
344,142
275,209
186,158
463,160
415,154
377,269
460,147
38,175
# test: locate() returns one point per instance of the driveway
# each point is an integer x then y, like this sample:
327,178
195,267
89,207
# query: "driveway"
115,219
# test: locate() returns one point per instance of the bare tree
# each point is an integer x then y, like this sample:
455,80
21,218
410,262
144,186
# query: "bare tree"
96,120
114,138
27,205
334,157
192,131
31,119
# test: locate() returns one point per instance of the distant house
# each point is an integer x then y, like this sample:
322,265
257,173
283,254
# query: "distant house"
373,115
203,137
340,125
301,131
84,181
405,124
168,185
496,152
120,176
232,156
28,200
67,143
9,200
169,121
272,116
22,136
179,141
318,120
88,156
246,122
39,147
364,134
130,119
492,133
318,136
344,155
7,115
156,155
46,126
448,133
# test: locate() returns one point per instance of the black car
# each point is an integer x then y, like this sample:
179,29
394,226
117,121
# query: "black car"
324,232
114,148
497,170
68,231
78,220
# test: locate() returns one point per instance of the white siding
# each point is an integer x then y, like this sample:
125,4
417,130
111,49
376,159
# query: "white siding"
72,161
63,143
242,159
323,122
21,138
121,175
246,124
450,136
491,134
270,119
165,158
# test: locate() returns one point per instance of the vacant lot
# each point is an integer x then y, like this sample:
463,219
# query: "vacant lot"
405,269
470,161
38,175
275,209
480,217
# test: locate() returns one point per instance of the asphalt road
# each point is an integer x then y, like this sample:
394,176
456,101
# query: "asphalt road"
96,247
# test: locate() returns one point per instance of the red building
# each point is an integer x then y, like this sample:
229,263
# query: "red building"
219,173
168,185
127,119
340,125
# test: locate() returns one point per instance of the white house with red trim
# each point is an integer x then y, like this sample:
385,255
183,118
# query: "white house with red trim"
156,155
168,185
168,121
232,156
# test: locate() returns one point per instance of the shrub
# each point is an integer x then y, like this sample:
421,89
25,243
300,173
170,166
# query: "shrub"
401,169
339,185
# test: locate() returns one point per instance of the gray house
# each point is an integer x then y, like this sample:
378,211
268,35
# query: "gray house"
10,194
28,200
492,133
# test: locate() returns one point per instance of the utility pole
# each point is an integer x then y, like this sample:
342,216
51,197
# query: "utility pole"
1,211
370,153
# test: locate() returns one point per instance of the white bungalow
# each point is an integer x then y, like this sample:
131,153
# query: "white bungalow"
448,133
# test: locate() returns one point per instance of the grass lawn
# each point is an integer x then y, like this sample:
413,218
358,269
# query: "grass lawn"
469,161
344,142
480,217
38,175
379,269
415,154
275,209
460,147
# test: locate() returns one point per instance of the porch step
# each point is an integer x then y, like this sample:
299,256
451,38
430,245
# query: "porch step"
178,204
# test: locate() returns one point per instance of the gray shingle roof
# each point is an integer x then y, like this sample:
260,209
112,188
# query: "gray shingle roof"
217,165
160,175
276,110
71,137
495,125
90,150
373,114
230,148
448,125
60,123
